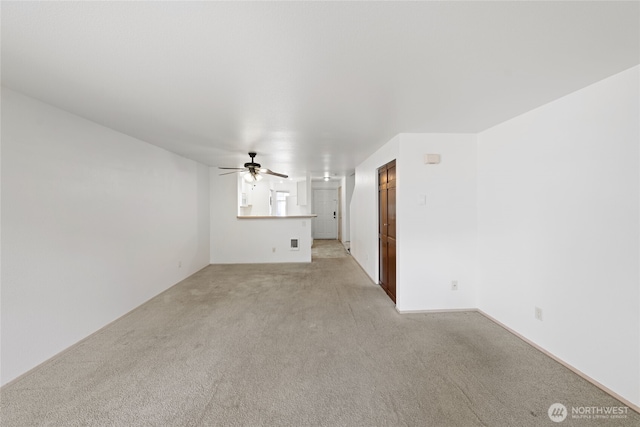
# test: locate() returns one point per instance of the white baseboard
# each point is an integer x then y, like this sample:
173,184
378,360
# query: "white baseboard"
534,345
563,363
363,270
446,310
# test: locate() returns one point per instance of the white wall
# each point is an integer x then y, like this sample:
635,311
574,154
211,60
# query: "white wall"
257,195
364,208
437,240
333,185
348,185
94,223
240,241
293,208
554,196
558,196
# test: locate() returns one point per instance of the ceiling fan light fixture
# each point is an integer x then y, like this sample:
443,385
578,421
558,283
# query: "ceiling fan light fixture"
253,171
252,177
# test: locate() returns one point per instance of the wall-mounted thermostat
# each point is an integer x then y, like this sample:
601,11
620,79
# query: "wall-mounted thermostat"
432,159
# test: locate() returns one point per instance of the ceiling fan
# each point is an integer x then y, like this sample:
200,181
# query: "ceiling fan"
254,170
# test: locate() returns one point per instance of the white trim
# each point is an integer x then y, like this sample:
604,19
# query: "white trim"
75,345
563,363
446,310
573,369
275,216
365,271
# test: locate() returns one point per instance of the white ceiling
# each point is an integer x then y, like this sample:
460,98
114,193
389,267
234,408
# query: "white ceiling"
309,85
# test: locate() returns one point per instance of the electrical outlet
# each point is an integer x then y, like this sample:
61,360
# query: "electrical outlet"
179,264
273,250
538,313
454,285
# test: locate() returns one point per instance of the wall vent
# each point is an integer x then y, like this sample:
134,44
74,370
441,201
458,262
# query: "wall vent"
294,245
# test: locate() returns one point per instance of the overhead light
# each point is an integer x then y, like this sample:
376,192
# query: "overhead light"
252,177
326,178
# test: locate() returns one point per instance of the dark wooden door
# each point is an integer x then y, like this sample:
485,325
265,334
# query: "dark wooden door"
387,228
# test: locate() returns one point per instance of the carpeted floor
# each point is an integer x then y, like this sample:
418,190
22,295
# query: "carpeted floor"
296,345
328,249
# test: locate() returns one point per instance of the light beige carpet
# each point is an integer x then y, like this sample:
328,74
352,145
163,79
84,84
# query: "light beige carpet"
296,345
328,249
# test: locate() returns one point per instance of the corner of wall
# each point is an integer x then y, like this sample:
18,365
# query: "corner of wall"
559,228
437,230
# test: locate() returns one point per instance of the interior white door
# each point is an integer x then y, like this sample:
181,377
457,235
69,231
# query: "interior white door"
325,205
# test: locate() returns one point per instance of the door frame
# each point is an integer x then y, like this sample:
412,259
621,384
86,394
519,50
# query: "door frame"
388,284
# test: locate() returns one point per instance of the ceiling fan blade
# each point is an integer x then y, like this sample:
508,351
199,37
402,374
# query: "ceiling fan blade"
270,172
229,173
240,169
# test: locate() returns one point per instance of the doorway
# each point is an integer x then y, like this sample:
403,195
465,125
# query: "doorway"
387,228
325,205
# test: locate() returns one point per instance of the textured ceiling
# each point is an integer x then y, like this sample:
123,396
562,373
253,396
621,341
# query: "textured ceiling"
311,86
